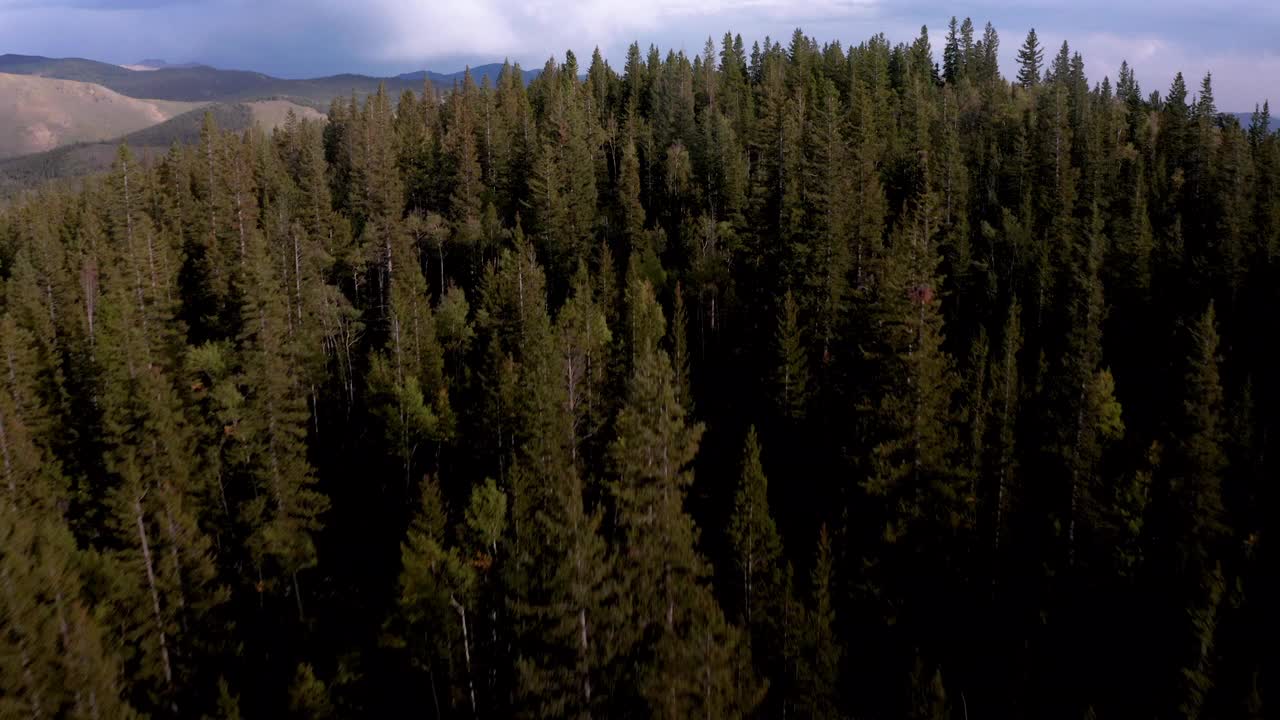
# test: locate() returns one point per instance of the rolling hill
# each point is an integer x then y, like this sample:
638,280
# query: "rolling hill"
41,113
444,81
200,83
87,158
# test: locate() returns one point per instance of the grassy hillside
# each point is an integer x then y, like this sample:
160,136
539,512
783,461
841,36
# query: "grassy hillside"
273,113
78,160
40,113
200,83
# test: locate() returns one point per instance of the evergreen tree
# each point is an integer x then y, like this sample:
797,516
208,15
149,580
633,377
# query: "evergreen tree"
793,365
672,616
237,376
1201,462
820,667
1030,57
757,547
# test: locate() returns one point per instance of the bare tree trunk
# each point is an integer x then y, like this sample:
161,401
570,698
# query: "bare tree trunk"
151,583
435,697
240,222
297,592
297,274
466,649
586,655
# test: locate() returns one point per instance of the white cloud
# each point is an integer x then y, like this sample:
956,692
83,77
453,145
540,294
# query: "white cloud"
312,37
413,31
1240,79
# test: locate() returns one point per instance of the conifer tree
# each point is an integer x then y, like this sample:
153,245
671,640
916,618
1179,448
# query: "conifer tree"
406,379
270,441
829,211
792,375
1003,424
757,547
673,617
911,463
1201,461
194,344
55,658
820,667
435,587
952,55
1030,57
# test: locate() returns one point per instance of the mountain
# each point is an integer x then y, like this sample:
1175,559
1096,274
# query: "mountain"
444,81
199,83
68,101
1246,119
156,79
86,158
154,64
42,113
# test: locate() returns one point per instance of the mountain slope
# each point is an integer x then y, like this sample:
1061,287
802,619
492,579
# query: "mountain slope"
444,81
1246,119
41,113
81,159
200,83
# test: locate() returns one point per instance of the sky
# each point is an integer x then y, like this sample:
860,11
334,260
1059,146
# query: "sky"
1237,40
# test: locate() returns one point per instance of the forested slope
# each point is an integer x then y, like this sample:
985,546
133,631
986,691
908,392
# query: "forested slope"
798,381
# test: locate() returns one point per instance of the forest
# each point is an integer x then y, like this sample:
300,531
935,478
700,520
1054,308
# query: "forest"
784,381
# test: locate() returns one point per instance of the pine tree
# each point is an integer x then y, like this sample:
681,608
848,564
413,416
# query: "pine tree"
757,549
990,54
678,342
1030,57
820,666
792,375
569,674
910,466
436,585
308,696
1202,462
673,617
829,210
952,55
406,379
55,659
1003,424
270,441
584,340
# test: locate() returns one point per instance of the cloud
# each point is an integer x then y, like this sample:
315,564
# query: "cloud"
414,31
295,38
101,5
1241,77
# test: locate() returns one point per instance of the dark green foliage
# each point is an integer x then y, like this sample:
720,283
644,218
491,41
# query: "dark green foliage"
400,415
1030,57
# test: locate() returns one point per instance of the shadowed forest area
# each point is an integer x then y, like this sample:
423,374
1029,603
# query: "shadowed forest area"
781,381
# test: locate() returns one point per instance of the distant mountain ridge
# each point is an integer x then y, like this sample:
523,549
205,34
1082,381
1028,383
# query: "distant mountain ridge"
444,81
199,83
193,82
1246,119
159,64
